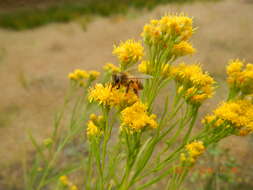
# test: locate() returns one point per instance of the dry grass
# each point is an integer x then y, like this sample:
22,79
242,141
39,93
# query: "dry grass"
34,64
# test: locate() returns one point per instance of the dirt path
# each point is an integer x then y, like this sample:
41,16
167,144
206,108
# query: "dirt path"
34,64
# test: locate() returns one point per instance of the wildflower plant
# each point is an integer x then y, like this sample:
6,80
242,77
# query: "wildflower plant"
126,142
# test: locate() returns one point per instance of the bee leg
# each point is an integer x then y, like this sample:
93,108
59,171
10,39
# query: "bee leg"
140,86
136,91
127,87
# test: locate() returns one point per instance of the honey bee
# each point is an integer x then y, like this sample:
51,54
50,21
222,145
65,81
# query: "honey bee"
124,79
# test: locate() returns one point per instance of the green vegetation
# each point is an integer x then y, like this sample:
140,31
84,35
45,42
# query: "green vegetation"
31,17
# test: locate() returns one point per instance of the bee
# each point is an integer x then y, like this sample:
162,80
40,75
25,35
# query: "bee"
124,79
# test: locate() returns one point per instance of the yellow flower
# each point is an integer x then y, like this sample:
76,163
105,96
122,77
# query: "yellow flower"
135,118
111,67
240,76
143,67
193,151
129,52
234,66
108,96
93,117
183,48
238,113
92,129
197,85
182,157
234,72
73,187
94,74
177,27
64,180
72,76
79,76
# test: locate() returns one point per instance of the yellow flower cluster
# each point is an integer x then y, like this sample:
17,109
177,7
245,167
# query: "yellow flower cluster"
135,118
79,76
193,151
129,52
111,68
65,182
183,48
92,129
240,76
144,67
106,95
237,114
177,28
93,125
195,85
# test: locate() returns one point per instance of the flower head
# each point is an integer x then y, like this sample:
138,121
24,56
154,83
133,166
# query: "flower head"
183,48
237,114
144,67
135,118
192,152
73,187
93,74
111,68
92,129
106,95
176,27
64,180
128,52
240,76
82,76
196,85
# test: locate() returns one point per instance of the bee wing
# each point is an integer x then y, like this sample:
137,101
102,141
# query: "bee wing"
135,74
140,76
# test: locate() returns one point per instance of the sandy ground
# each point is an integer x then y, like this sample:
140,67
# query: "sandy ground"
34,64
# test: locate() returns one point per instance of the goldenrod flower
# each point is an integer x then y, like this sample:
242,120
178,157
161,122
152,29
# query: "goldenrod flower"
92,129
234,72
111,68
135,118
183,48
108,96
129,52
240,76
93,117
144,67
80,76
177,27
193,151
197,85
94,74
237,114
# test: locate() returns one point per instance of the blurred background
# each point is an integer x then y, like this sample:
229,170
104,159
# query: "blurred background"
42,41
